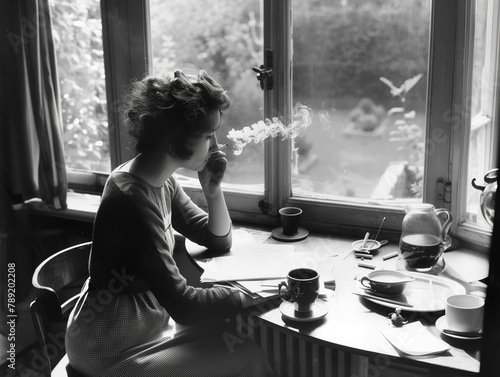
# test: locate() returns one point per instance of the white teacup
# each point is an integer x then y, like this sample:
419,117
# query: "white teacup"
464,313
387,282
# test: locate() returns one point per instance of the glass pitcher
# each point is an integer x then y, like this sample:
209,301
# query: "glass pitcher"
424,236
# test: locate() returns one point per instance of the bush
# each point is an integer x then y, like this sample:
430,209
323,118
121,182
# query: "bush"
352,46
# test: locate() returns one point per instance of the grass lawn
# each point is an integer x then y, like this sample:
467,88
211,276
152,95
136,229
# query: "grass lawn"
348,164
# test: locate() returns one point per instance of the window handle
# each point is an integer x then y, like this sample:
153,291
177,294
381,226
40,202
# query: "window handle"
265,72
443,188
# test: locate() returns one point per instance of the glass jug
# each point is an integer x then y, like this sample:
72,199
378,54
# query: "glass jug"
424,236
488,195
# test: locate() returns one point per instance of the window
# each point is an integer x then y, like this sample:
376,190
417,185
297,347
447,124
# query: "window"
226,40
349,64
481,110
483,107
372,145
80,61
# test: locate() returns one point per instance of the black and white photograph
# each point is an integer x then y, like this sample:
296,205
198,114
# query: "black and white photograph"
286,188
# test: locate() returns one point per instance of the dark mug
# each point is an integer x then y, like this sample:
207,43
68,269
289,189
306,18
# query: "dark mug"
302,289
290,217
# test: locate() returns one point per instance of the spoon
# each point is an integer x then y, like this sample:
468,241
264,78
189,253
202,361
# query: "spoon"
380,227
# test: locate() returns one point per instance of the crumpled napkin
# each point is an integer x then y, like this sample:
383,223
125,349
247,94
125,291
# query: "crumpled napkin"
415,340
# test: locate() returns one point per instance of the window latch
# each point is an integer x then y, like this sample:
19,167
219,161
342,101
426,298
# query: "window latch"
443,190
265,72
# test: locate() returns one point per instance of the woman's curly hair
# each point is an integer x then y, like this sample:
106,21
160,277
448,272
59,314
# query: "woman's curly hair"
172,111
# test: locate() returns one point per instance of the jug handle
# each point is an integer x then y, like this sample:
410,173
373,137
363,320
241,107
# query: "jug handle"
476,186
491,176
445,225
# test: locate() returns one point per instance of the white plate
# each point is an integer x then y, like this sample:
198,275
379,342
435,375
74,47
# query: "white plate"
441,324
319,310
427,293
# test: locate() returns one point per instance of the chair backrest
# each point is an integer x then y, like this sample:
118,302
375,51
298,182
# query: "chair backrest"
58,281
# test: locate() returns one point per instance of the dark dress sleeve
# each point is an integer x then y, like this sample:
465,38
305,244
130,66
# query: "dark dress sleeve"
192,222
130,238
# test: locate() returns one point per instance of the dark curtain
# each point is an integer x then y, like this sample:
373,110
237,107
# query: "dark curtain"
32,156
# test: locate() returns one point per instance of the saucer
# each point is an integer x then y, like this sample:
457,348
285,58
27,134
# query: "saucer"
319,310
371,245
441,324
277,233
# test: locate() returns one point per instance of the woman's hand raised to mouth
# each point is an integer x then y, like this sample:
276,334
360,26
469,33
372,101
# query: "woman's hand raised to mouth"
212,174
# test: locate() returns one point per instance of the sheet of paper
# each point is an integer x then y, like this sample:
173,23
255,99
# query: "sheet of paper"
467,265
245,235
254,262
415,340
241,236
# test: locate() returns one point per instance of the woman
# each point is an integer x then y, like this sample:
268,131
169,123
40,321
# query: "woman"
117,327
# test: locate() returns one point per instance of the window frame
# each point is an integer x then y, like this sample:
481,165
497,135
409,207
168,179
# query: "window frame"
462,228
127,55
127,51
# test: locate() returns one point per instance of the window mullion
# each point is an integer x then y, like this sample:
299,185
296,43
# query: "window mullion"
285,147
484,121
125,30
277,32
460,135
270,145
442,115
494,59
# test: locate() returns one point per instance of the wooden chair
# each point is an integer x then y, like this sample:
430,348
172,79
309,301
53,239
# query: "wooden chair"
58,281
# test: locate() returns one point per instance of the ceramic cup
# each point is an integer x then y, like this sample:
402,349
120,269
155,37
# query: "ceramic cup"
290,217
387,282
302,289
464,313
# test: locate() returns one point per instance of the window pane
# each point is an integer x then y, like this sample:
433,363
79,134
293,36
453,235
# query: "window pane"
484,88
77,34
225,39
350,62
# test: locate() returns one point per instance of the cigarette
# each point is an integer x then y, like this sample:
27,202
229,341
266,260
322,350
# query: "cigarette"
219,148
364,240
367,265
363,255
391,255
431,288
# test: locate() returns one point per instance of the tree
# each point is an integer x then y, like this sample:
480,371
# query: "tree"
77,35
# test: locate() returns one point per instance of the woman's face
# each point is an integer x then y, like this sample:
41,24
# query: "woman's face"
203,146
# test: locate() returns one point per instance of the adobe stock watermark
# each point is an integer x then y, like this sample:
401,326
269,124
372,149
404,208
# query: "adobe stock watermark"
361,38
381,362
29,28
246,326
319,258
454,119
56,340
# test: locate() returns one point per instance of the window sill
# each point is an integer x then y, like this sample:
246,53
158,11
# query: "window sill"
81,207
